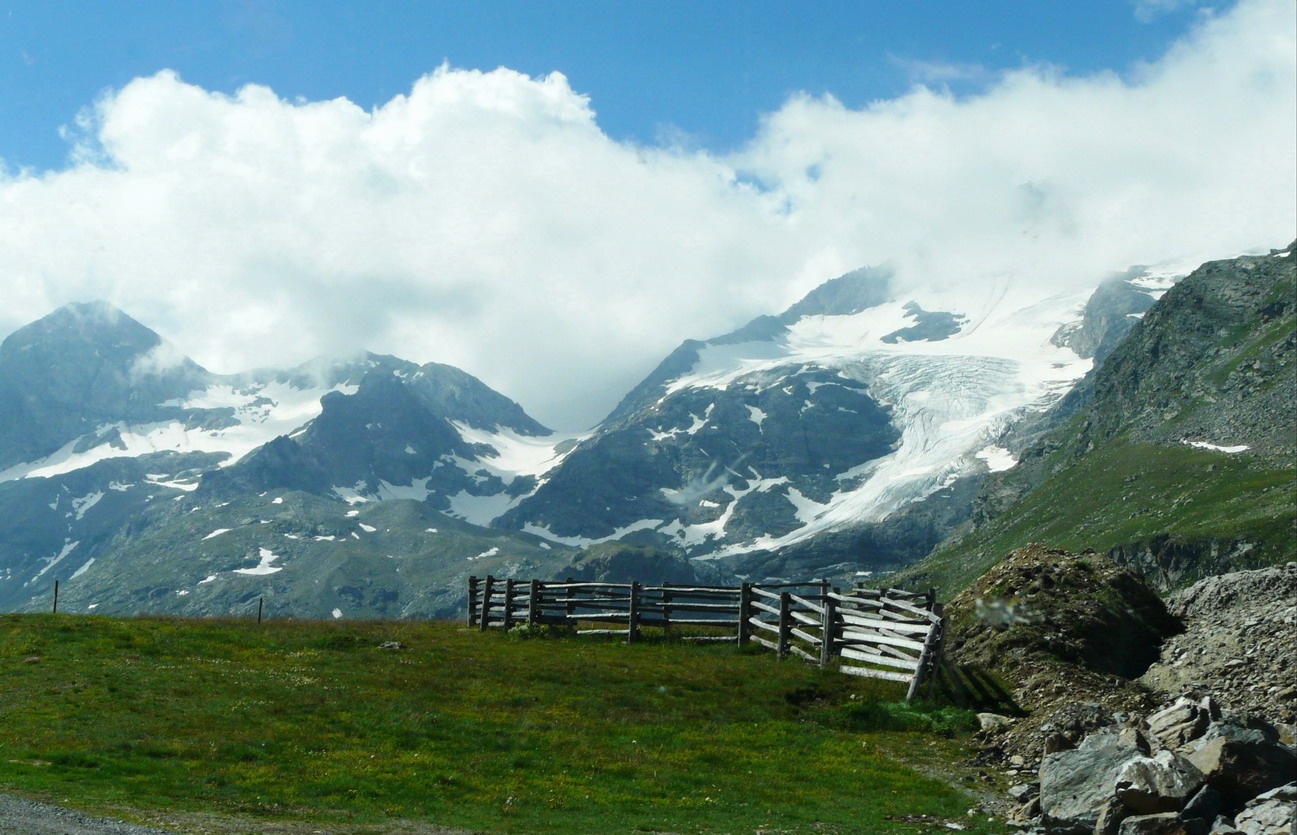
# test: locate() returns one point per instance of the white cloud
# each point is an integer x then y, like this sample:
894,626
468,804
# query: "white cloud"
484,220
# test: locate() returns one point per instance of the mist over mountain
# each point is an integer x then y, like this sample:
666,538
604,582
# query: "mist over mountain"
848,435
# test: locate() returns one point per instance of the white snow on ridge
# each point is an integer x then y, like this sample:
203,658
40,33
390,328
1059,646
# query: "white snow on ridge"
68,548
515,455
480,510
264,566
84,503
951,398
263,412
217,532
1230,450
997,458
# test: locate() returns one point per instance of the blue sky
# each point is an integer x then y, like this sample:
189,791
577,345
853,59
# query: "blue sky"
651,69
263,183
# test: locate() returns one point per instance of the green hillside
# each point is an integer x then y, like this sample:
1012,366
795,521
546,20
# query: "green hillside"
184,723
1217,512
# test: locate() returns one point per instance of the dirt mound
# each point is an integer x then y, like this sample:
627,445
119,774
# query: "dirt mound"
1067,633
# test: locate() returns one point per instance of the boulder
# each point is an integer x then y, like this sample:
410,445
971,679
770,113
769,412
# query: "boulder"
1240,762
1163,823
1075,784
993,721
1271,813
1161,783
1202,809
1179,724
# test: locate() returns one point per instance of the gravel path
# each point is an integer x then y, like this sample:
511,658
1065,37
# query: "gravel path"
27,817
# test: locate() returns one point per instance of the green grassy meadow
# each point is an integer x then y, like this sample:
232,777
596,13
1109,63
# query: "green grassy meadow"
1126,493
158,718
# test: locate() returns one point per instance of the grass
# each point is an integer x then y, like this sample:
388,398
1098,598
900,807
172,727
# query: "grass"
311,721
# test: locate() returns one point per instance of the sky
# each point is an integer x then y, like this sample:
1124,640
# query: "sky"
552,196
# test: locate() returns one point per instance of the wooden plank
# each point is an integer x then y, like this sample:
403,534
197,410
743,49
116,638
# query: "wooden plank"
704,621
622,587
851,598
766,625
767,644
694,588
677,606
802,617
774,610
745,613
802,601
601,631
702,591
785,623
730,638
588,601
873,658
875,638
887,625
872,673
930,647
763,593
796,650
810,639
917,610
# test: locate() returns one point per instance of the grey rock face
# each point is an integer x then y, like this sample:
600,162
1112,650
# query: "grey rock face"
83,366
1161,783
1075,784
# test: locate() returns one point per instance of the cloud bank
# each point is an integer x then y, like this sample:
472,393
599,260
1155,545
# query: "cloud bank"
484,220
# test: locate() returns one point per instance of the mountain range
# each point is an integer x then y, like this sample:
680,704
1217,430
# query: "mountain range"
849,435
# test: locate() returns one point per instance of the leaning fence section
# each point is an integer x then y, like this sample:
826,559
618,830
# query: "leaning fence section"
890,634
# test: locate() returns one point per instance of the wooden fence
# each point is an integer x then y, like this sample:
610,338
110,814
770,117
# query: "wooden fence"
890,634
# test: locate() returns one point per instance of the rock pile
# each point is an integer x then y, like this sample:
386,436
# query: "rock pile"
1187,769
1240,642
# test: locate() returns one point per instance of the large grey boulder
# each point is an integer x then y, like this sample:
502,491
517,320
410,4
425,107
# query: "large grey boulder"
1161,783
1163,823
1240,762
1075,784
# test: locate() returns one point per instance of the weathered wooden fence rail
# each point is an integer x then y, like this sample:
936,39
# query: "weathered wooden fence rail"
890,634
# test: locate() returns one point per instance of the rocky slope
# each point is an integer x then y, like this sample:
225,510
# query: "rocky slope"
1239,643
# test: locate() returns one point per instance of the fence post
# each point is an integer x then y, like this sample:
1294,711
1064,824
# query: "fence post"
571,605
666,607
632,628
533,602
745,613
508,604
828,630
472,601
931,645
785,624
260,602
932,598
486,603
824,589
56,597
